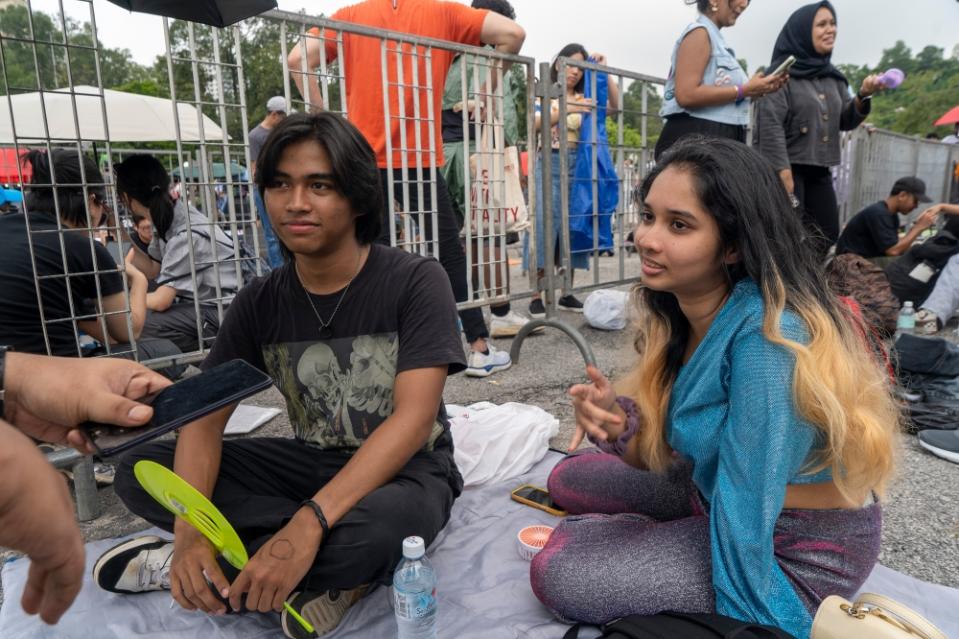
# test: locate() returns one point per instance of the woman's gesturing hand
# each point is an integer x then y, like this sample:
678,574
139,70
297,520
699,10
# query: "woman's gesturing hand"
597,413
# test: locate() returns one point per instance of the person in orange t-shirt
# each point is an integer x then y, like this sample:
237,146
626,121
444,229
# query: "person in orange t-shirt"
412,147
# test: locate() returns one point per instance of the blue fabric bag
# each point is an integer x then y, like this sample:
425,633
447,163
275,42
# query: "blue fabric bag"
581,194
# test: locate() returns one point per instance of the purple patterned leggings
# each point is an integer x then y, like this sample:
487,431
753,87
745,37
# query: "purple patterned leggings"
644,546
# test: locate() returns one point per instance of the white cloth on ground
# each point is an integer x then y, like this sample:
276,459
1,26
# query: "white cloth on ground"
495,443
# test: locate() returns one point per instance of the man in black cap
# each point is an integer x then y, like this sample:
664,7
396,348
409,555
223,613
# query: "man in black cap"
874,231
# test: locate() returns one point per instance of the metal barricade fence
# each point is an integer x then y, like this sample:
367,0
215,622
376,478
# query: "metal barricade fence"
209,109
413,112
602,210
873,159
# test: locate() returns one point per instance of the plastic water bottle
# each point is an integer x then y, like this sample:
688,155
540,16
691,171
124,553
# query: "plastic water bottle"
907,319
892,78
414,592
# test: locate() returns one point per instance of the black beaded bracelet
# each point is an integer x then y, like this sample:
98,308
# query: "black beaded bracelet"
319,516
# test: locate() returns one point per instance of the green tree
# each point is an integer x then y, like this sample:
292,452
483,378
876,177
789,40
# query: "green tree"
931,88
55,64
633,112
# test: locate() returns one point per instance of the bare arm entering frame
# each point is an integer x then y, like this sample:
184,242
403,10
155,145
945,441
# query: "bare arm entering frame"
309,48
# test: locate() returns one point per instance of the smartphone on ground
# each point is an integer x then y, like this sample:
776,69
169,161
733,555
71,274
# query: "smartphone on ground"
536,497
180,404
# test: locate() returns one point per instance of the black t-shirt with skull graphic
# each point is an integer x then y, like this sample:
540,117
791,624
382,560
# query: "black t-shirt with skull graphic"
398,315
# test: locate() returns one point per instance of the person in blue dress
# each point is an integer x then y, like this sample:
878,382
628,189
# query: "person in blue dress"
757,429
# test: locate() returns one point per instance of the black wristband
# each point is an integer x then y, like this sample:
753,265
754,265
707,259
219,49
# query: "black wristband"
319,516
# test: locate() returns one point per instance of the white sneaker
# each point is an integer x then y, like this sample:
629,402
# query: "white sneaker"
137,565
480,365
509,325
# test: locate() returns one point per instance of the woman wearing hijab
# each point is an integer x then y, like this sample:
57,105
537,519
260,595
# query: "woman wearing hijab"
799,127
707,91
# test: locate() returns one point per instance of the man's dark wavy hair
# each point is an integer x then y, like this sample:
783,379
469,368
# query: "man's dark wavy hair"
354,169
501,7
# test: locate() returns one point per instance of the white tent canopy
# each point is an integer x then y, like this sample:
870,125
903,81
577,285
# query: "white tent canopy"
130,117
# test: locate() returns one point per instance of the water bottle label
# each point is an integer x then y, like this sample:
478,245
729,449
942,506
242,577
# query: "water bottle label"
414,605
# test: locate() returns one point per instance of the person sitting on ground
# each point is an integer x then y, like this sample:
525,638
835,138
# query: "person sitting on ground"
943,302
913,276
143,186
81,290
874,231
46,398
361,352
141,236
756,426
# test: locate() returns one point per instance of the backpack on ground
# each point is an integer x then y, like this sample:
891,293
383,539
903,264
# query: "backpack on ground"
854,276
673,625
914,275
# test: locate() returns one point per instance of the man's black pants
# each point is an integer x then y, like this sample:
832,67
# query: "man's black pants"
262,481
178,324
452,256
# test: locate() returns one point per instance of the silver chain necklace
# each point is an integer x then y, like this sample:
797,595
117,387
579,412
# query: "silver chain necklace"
325,331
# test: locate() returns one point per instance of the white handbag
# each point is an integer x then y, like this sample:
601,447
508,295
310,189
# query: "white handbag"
870,617
496,196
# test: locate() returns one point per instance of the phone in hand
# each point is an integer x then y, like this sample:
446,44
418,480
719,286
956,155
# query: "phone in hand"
180,404
785,66
536,497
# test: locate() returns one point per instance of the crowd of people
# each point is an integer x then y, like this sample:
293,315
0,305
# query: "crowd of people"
739,468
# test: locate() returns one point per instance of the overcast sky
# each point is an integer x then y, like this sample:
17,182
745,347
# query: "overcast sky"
634,34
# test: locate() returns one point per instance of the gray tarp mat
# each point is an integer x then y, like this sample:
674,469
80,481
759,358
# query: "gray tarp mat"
483,589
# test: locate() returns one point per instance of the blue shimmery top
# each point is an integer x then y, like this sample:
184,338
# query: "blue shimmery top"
732,414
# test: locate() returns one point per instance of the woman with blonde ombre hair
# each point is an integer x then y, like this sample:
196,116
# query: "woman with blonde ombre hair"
757,428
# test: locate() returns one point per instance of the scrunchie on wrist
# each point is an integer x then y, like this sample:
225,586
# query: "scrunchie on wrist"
619,445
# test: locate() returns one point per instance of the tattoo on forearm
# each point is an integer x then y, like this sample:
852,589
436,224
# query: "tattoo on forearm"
281,549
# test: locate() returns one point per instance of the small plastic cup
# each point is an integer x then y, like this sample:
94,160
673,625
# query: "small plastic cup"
531,540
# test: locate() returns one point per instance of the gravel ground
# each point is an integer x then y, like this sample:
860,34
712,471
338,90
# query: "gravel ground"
921,531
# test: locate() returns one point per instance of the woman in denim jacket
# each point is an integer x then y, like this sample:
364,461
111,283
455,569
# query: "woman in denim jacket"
799,127
707,91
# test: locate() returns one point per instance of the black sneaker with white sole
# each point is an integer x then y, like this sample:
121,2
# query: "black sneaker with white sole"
570,303
322,610
537,309
135,566
941,443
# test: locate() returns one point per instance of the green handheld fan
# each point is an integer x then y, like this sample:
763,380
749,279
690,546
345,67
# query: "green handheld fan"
185,501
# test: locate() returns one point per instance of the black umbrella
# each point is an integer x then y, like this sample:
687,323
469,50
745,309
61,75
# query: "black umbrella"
218,13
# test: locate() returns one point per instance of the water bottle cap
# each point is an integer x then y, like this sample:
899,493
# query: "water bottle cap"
908,304
414,547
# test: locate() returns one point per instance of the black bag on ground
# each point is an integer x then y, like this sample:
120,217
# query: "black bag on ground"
914,275
933,415
676,625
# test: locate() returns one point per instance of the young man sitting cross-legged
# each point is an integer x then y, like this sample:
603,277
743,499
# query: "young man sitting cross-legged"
359,338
